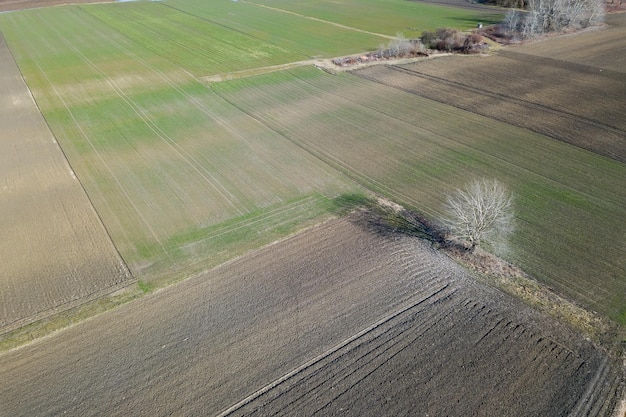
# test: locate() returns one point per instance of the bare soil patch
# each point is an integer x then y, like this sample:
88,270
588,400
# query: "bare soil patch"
56,252
600,48
361,319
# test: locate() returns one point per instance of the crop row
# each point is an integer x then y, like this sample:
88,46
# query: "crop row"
192,43
510,96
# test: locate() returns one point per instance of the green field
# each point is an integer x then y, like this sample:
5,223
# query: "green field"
185,176
385,16
176,173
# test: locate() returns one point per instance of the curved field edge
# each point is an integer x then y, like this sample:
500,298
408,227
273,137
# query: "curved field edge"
567,211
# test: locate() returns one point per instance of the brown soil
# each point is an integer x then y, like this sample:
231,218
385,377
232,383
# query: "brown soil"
347,317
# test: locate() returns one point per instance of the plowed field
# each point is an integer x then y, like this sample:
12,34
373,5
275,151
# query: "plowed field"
346,315
55,251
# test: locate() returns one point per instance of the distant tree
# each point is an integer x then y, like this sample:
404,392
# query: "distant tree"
512,21
546,16
483,210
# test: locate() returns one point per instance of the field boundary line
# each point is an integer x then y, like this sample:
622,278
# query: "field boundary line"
524,104
225,26
519,101
82,132
335,163
316,19
329,352
217,78
62,308
192,161
280,210
73,171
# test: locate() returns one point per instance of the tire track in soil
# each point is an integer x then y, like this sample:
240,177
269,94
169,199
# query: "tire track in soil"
186,156
340,381
378,334
325,156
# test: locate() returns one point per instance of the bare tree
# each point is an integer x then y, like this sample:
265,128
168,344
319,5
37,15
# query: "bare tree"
483,210
546,16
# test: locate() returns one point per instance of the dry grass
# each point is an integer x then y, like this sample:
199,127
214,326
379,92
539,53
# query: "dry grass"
514,281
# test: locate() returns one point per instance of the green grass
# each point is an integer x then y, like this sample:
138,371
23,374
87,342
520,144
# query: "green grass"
570,203
310,38
386,16
198,249
162,158
192,43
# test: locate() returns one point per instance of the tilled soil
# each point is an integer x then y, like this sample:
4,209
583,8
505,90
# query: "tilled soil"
372,322
455,352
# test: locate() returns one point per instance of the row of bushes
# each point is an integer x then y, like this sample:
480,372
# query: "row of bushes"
448,40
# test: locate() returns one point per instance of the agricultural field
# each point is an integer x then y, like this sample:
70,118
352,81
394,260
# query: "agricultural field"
387,16
55,251
13,5
181,179
344,304
143,169
533,102
598,50
178,176
569,202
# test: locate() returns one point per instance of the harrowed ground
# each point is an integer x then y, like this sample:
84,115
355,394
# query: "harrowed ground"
382,323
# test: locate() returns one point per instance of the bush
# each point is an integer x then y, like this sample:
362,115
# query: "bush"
451,40
400,47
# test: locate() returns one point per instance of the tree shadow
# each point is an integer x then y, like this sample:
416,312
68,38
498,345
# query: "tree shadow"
386,221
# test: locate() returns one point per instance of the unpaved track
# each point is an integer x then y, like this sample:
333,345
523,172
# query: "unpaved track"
199,347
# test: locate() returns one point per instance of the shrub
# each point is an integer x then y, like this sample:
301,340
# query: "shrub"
451,40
